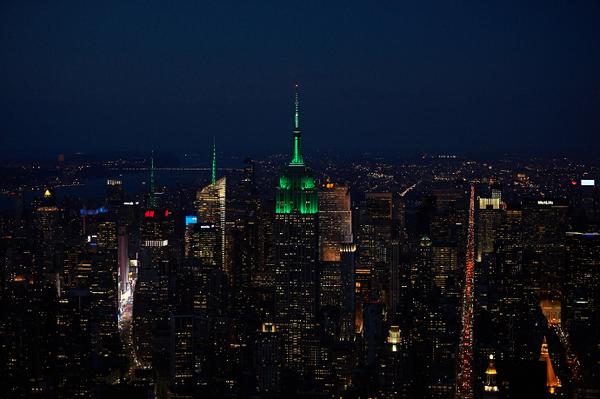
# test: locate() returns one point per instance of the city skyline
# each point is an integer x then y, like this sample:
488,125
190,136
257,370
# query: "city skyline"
386,201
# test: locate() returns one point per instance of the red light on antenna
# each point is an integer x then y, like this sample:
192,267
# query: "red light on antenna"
149,213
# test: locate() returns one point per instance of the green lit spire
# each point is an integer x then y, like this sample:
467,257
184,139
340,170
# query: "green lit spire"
297,154
152,196
296,192
213,177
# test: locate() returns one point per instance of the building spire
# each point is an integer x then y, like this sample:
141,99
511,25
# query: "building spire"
213,176
296,110
152,196
297,154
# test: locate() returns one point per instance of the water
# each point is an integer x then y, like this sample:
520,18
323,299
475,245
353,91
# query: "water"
134,184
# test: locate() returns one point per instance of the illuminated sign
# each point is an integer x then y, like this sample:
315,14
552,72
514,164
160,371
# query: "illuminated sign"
88,212
588,182
155,243
192,219
149,213
545,202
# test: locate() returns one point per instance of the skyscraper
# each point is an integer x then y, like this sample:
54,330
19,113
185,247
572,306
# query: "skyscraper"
296,259
335,221
210,207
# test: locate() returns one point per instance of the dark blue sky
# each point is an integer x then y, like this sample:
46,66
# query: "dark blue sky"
393,76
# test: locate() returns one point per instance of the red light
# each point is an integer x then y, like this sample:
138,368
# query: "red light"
149,213
574,182
167,212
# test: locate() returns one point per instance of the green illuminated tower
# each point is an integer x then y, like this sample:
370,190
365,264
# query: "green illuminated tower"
296,259
296,191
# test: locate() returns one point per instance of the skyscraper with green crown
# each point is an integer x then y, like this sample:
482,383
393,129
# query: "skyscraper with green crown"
296,191
296,260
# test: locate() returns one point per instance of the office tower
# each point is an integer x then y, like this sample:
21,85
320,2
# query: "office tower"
267,359
244,250
374,233
210,207
400,286
335,221
151,296
508,292
490,388
348,300
48,221
114,191
374,229
74,344
27,335
373,333
585,199
182,362
422,272
581,292
103,286
448,219
488,219
394,368
330,284
203,243
444,268
296,260
545,222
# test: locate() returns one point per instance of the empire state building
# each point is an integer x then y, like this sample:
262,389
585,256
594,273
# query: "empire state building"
296,260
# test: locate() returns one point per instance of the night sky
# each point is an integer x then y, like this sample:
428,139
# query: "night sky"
473,77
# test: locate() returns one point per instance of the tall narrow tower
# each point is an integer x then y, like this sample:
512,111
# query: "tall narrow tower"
152,203
213,169
210,206
490,388
296,257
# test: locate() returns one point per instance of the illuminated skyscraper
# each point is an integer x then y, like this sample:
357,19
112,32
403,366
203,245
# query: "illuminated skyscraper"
489,219
210,207
348,301
150,306
335,221
490,389
114,191
267,358
394,371
48,223
296,259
